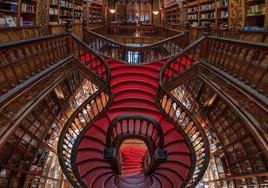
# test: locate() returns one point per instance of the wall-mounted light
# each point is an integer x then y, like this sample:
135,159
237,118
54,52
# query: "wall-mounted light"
155,12
112,11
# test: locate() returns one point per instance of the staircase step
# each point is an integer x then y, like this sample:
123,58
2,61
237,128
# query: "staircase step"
134,88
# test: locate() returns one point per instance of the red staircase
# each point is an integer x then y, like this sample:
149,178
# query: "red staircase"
134,88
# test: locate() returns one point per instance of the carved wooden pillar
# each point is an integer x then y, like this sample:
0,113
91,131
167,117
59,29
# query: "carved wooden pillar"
236,14
42,17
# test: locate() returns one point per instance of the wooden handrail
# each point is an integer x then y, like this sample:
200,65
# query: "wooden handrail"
88,112
155,125
139,127
181,116
217,52
132,54
26,62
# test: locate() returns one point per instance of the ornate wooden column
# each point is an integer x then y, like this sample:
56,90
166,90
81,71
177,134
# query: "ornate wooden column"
43,15
236,14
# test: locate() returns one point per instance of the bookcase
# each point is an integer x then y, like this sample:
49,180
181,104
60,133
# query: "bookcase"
174,16
255,14
215,13
93,13
222,13
61,10
21,13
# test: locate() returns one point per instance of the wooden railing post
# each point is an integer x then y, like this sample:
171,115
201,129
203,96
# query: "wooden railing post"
85,27
186,31
69,25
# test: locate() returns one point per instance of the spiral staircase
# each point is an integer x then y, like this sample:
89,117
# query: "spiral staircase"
130,107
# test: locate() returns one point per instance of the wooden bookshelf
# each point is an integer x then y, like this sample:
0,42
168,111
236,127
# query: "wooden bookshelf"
255,14
18,13
222,13
216,13
175,16
61,10
93,13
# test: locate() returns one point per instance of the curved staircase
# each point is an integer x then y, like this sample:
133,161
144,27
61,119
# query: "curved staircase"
134,88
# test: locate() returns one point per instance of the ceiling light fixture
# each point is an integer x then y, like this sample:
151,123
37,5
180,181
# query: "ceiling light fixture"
155,12
112,11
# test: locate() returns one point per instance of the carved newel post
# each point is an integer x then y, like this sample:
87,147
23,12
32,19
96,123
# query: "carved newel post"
187,31
186,27
69,25
206,29
85,24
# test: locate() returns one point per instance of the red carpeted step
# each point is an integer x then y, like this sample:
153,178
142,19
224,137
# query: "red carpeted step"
134,88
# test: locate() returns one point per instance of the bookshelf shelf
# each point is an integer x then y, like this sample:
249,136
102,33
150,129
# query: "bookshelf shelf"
215,13
255,14
93,13
174,16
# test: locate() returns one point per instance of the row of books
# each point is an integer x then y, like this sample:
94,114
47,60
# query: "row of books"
211,6
66,4
27,7
192,10
192,17
9,21
208,16
78,14
77,7
222,3
7,5
256,10
224,14
53,11
54,2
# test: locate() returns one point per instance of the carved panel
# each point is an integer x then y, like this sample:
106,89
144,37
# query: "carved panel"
42,17
236,13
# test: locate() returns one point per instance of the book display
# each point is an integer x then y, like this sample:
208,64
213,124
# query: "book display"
215,14
255,14
174,16
18,13
61,10
93,13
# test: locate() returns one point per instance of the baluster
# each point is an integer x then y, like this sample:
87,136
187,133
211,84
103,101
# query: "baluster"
262,70
232,69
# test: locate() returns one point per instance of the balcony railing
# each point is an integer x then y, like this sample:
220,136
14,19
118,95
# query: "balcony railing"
136,54
245,61
90,110
145,31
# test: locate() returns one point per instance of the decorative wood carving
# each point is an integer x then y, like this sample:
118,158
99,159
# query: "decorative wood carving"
42,17
236,14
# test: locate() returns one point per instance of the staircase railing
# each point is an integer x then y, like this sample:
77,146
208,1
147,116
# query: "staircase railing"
179,114
244,61
139,127
23,59
136,54
240,60
20,60
90,110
